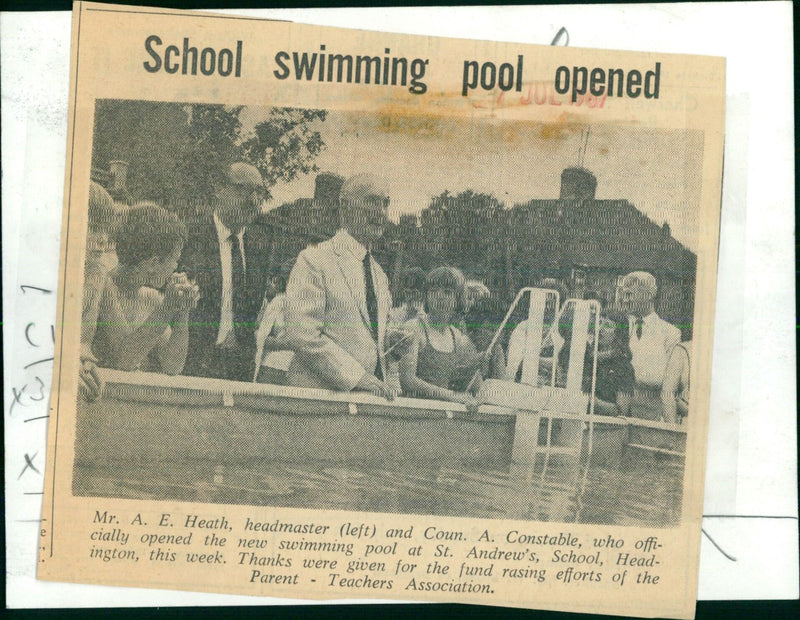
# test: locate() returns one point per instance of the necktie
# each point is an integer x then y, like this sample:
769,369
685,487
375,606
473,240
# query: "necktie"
372,300
639,323
372,307
237,285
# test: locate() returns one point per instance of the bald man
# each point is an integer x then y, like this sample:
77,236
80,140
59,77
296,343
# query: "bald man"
228,266
651,340
338,300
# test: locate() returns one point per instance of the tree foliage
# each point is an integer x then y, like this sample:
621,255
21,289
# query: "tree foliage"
285,144
464,226
210,139
467,230
177,152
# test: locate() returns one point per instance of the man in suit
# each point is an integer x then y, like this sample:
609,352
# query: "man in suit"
338,300
228,265
651,341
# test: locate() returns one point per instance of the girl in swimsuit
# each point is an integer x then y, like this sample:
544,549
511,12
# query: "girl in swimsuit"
442,360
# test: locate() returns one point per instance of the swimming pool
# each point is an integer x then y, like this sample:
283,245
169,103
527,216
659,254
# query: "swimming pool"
156,437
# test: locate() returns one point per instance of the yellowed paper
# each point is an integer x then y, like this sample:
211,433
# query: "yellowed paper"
511,430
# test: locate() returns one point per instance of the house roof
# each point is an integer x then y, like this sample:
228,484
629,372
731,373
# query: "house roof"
603,234
597,234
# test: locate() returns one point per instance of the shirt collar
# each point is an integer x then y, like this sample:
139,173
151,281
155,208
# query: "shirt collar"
344,242
650,317
223,232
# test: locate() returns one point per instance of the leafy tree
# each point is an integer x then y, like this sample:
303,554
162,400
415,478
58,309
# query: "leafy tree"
146,134
285,145
177,152
212,140
464,230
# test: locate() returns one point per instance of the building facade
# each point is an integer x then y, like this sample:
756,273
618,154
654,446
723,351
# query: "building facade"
590,244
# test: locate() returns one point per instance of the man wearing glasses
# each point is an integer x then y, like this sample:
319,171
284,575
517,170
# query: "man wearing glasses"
228,265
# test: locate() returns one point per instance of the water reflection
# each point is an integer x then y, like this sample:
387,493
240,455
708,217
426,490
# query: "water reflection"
643,491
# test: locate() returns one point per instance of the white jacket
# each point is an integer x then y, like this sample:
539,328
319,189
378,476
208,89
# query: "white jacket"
327,318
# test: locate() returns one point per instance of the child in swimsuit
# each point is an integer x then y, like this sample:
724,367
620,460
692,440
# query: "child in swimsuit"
143,312
441,361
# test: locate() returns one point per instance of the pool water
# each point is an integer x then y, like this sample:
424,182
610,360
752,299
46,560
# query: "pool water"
644,490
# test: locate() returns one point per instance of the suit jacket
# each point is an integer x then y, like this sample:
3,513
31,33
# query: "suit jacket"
201,261
327,317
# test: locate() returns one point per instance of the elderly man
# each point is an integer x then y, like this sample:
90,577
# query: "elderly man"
338,300
228,266
651,341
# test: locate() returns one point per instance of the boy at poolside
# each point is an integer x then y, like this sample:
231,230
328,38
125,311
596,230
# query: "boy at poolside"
143,310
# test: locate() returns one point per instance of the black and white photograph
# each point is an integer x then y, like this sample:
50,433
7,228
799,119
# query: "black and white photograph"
442,304
358,313
376,312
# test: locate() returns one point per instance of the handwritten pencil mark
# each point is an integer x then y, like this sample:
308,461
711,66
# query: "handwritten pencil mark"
794,518
41,391
17,394
41,361
29,464
23,391
41,417
720,549
561,31
46,291
28,335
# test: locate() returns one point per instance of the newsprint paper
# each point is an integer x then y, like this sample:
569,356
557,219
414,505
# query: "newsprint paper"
353,314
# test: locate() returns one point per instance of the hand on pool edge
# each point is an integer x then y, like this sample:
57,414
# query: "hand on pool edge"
90,384
376,387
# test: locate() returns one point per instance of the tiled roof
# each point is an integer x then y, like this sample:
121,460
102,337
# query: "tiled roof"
605,234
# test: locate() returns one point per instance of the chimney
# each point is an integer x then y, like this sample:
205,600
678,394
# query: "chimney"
326,188
577,184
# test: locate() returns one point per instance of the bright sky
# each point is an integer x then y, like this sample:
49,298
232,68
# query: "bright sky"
659,171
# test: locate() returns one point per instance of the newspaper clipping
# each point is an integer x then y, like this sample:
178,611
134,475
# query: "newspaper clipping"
347,314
